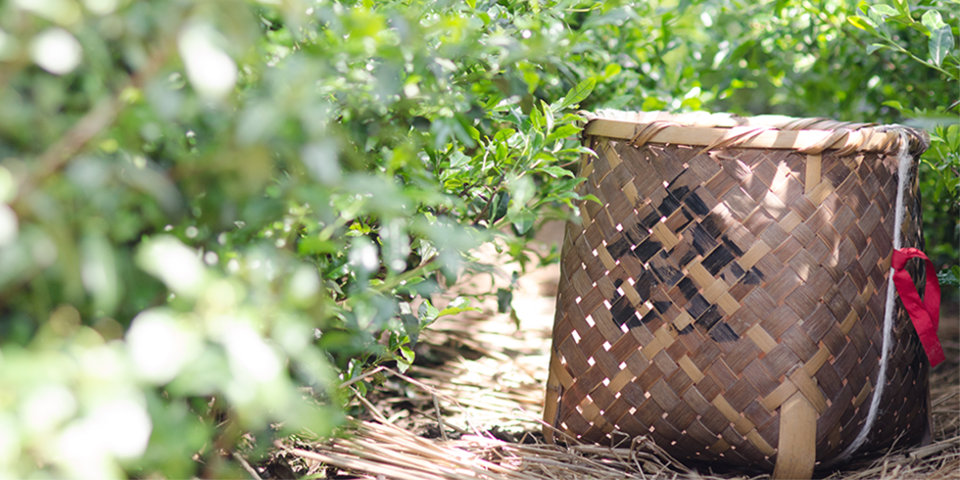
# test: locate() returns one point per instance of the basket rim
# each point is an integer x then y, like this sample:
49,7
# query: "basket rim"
724,130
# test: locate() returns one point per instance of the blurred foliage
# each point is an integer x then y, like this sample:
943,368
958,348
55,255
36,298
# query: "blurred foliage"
213,214
895,28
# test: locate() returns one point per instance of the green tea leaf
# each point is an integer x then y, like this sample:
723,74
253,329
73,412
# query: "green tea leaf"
458,159
932,20
903,7
523,221
498,207
950,277
578,93
427,313
940,42
893,103
611,70
522,189
885,10
458,305
862,23
407,353
504,134
504,297
556,172
563,131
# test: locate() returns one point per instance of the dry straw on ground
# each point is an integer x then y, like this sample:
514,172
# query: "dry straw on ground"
472,410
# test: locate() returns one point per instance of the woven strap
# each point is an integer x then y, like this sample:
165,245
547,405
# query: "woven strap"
798,439
925,315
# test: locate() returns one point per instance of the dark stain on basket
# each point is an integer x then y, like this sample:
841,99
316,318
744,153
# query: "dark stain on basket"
737,252
651,316
703,241
618,248
622,310
697,306
696,204
662,307
647,249
753,277
723,333
635,234
687,288
712,223
685,252
678,191
644,283
733,272
648,216
708,318
717,259
668,205
667,274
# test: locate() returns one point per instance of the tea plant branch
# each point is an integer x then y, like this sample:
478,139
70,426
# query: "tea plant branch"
388,284
89,126
246,466
934,66
362,377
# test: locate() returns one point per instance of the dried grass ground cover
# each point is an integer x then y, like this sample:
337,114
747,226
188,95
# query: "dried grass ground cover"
471,408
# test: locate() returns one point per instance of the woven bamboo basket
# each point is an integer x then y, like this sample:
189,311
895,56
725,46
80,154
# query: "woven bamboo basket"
728,297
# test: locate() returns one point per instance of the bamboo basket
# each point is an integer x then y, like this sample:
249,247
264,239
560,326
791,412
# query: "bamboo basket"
728,297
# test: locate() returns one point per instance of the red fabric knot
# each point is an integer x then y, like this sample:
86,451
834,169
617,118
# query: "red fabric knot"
926,314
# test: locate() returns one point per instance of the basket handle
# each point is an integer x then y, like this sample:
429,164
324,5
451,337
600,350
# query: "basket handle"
797,447
924,315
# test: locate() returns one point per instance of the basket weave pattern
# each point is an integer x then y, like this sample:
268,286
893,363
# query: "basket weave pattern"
708,287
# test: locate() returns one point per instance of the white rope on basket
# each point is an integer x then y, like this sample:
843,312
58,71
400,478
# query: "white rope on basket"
904,160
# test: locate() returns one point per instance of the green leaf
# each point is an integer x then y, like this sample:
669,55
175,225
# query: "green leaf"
402,364
523,190
885,10
563,131
932,20
523,221
578,93
591,197
427,313
548,114
555,172
504,297
458,159
458,305
474,133
862,23
498,207
532,80
537,120
903,7
940,42
874,47
611,70
950,277
504,134
407,353
893,103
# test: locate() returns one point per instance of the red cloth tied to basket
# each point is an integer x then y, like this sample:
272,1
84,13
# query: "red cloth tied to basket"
925,315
